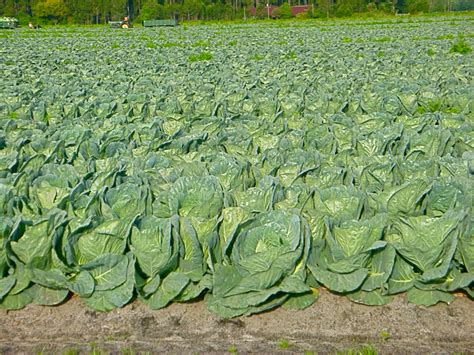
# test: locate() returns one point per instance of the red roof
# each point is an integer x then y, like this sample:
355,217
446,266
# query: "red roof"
299,9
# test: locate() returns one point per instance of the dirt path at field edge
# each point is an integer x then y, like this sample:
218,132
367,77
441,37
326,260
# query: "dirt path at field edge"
333,323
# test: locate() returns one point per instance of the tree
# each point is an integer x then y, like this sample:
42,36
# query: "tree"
9,8
344,8
417,6
150,10
101,11
192,8
245,5
52,10
284,11
325,7
80,11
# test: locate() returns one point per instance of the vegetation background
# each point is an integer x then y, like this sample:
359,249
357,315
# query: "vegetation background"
102,11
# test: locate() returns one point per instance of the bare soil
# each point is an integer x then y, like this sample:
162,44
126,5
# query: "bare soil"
332,324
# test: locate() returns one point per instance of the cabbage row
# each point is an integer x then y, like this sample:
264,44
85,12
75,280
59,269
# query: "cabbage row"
295,157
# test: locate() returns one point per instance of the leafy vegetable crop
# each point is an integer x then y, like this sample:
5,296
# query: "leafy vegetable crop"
137,172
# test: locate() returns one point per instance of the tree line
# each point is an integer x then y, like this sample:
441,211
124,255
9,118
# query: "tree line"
102,11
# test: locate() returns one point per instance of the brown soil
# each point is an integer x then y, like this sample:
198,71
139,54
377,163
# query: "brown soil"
333,323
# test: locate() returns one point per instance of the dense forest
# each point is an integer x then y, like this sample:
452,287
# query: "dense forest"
101,11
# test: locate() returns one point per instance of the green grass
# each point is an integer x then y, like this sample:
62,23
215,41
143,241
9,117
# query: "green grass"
283,344
70,352
436,106
257,57
381,39
384,336
363,350
151,45
460,46
5,34
94,350
201,44
204,56
232,350
444,37
131,351
290,55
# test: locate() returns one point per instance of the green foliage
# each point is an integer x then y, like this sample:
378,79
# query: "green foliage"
371,7
290,55
303,15
460,46
151,9
364,350
382,39
284,11
151,45
344,8
283,344
443,37
232,350
384,336
203,56
192,8
54,10
170,44
325,9
96,351
237,179
262,11
257,57
386,7
417,6
201,44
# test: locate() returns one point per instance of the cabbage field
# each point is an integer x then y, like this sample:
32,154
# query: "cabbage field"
247,165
